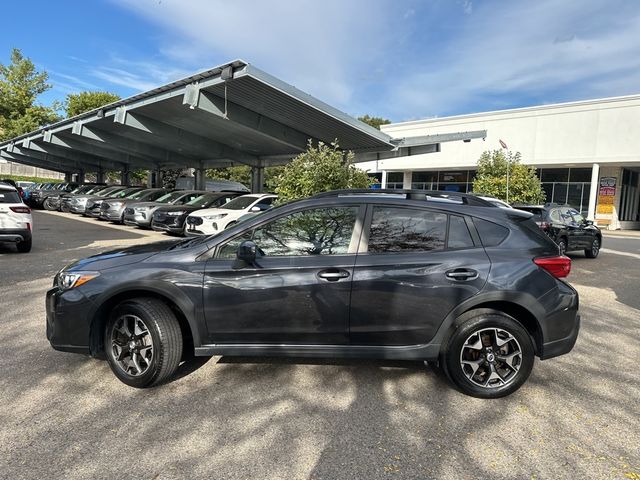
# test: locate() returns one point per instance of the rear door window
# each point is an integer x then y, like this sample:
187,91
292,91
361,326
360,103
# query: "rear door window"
398,229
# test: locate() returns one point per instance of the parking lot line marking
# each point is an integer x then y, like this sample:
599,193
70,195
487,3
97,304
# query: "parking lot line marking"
616,252
93,221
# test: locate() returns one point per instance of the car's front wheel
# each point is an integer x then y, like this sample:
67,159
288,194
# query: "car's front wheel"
143,342
489,355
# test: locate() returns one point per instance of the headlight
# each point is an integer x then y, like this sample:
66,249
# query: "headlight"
215,217
68,280
115,204
176,214
140,209
80,200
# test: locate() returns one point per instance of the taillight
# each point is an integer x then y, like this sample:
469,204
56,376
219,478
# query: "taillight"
20,209
544,226
559,266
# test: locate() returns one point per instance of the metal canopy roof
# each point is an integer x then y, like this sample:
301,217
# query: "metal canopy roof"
232,114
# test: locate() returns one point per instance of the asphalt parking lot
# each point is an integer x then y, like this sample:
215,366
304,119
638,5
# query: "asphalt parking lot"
66,416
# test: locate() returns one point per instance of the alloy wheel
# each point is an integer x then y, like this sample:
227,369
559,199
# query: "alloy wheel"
595,247
131,345
491,357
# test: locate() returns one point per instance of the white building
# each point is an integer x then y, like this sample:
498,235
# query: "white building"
587,154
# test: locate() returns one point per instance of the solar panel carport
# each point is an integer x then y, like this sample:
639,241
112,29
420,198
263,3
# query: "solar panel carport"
234,114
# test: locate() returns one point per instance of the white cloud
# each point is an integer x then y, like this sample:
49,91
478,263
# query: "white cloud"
528,49
402,60
317,46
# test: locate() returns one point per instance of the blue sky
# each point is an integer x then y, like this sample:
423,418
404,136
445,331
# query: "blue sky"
402,59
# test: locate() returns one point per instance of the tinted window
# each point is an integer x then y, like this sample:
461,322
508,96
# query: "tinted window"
322,231
491,234
9,196
459,236
396,229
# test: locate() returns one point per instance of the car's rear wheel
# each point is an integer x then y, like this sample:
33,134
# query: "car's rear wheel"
24,246
489,355
143,342
594,250
562,246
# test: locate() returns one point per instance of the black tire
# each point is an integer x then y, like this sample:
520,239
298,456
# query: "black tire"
48,205
594,250
562,246
24,246
478,326
163,331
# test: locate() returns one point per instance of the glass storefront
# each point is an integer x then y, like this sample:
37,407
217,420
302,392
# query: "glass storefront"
570,186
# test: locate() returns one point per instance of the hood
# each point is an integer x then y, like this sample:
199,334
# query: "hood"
121,256
178,208
203,212
144,204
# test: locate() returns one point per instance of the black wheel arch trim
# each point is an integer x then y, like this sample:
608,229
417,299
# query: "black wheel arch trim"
167,292
489,300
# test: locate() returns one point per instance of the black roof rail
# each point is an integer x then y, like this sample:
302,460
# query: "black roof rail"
465,198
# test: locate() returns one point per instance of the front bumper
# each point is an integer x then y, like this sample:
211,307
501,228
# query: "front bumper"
111,215
137,220
68,320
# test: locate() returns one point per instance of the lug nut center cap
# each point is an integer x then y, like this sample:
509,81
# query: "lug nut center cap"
491,357
132,345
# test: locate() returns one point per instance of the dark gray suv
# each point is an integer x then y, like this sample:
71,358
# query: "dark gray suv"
406,275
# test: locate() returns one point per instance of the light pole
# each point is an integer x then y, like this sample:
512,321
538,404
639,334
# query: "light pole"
506,157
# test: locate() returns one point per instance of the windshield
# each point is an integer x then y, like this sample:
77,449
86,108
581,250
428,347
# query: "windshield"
170,197
203,200
9,196
124,193
83,189
239,203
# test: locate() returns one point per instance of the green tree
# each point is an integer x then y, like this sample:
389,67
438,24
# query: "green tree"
77,103
320,169
20,85
491,178
375,122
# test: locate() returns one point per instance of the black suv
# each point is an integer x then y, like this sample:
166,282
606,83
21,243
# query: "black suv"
567,227
406,275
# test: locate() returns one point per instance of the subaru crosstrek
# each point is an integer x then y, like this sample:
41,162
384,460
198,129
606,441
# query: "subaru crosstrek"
406,275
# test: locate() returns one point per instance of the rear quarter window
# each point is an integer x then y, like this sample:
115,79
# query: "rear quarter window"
491,234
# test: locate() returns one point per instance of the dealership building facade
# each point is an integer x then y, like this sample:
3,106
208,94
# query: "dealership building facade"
587,154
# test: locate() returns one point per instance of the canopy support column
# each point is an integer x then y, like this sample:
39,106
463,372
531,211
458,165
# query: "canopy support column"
257,179
201,179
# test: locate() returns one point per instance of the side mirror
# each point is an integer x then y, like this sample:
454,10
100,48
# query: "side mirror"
255,208
246,255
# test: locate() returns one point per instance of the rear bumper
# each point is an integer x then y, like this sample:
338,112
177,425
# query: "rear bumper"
15,235
561,346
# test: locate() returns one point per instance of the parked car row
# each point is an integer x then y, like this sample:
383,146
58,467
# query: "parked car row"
177,212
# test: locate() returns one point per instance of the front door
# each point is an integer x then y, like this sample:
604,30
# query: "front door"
298,293
417,266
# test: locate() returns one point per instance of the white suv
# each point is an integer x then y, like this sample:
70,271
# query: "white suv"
16,222
213,220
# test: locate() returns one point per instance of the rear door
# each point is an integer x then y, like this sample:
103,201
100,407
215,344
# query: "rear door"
413,267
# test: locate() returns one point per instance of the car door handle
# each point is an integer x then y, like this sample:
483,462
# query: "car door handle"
333,274
462,274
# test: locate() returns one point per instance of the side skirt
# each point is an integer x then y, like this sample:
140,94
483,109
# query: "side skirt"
403,352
